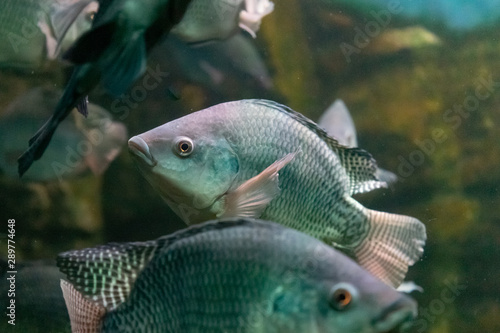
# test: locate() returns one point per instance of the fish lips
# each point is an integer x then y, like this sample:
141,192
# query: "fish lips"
138,147
398,317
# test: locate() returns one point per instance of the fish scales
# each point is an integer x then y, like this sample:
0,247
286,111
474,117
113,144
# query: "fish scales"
217,299
260,159
238,276
314,179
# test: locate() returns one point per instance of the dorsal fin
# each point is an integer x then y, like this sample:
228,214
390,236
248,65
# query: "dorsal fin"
106,274
360,166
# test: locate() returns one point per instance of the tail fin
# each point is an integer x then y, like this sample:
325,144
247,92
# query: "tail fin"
84,315
394,242
39,142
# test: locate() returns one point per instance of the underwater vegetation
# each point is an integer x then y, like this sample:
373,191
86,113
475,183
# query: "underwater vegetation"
422,86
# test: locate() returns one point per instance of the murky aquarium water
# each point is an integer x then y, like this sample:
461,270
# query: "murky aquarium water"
342,174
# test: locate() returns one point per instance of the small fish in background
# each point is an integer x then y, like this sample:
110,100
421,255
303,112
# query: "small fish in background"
258,158
209,65
218,20
39,302
236,275
397,40
338,123
81,144
113,53
35,31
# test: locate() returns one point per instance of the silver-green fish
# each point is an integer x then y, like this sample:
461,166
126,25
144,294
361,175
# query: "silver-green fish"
219,19
257,158
227,276
33,31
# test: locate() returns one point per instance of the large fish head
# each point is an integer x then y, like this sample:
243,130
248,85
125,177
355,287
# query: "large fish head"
359,302
189,162
329,293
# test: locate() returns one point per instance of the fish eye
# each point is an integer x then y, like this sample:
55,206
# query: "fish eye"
90,16
341,296
183,146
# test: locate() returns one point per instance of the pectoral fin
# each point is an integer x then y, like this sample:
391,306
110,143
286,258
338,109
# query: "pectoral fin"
251,17
251,198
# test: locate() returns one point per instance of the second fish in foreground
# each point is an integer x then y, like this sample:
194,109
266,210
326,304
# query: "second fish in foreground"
224,161
237,275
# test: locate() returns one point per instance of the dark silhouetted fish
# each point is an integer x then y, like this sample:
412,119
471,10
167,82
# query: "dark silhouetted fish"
227,276
113,52
224,161
81,144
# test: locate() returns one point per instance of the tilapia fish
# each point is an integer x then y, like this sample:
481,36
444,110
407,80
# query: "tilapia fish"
227,276
257,158
33,31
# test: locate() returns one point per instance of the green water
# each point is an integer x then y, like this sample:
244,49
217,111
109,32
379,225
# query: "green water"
428,111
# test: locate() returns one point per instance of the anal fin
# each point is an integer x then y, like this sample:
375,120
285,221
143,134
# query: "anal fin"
85,316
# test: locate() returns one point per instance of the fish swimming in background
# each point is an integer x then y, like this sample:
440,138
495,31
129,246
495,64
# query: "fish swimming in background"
39,303
220,19
34,31
237,275
209,65
258,158
79,146
114,51
338,123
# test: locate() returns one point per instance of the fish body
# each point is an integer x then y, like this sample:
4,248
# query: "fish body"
79,146
112,53
227,276
257,158
211,64
220,19
30,33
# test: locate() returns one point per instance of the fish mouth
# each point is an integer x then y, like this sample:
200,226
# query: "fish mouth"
398,317
140,149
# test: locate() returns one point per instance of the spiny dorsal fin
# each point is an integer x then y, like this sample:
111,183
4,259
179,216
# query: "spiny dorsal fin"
106,274
360,166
